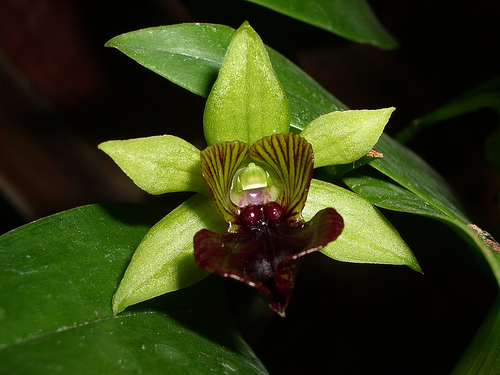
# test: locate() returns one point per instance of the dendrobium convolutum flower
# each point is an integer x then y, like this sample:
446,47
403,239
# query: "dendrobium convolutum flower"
257,209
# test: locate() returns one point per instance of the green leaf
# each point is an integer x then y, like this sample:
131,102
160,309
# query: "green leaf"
246,102
306,98
408,169
390,196
345,136
483,354
351,19
367,236
163,261
190,55
57,278
158,165
486,95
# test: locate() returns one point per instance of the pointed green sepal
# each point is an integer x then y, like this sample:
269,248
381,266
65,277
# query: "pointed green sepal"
164,260
342,137
367,236
247,101
290,158
158,165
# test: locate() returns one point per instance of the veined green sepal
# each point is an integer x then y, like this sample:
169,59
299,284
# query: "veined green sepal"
342,137
160,164
367,236
247,101
164,261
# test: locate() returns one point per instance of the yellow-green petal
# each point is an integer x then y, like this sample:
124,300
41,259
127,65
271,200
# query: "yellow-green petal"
164,260
367,236
160,164
247,101
342,137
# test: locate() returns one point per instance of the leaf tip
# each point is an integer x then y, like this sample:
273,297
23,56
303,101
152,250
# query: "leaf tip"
118,304
107,148
111,43
103,146
415,267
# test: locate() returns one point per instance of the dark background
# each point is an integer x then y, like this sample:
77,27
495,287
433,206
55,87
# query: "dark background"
62,93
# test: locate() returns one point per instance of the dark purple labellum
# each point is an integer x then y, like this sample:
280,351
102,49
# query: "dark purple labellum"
252,216
262,254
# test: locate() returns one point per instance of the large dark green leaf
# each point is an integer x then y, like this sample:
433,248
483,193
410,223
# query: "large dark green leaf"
351,19
57,278
190,55
483,354
391,196
408,169
486,95
193,53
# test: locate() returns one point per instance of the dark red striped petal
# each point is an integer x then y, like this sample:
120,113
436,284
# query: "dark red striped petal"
290,158
219,163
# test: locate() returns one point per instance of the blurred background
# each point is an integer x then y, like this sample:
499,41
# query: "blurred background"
62,93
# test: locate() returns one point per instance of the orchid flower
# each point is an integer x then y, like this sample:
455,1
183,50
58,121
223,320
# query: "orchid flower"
266,233
257,209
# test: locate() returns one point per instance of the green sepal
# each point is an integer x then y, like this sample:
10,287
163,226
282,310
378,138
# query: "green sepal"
367,236
160,164
163,261
343,137
247,101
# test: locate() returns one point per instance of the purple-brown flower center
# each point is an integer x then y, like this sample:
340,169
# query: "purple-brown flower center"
257,217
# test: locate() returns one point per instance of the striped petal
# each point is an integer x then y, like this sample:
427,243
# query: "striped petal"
290,158
219,163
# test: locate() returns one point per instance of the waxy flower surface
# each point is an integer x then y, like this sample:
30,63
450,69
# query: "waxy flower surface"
266,231
257,209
